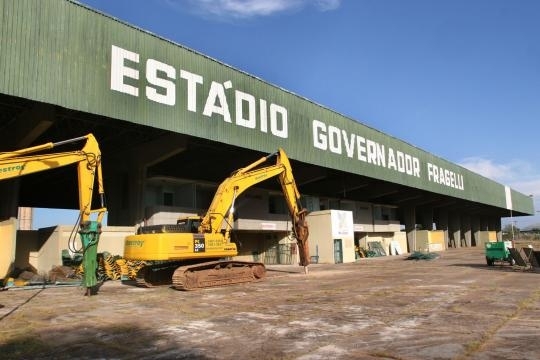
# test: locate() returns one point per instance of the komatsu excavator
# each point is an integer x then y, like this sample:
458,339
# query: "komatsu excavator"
33,159
185,254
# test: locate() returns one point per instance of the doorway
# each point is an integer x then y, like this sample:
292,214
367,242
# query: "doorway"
338,251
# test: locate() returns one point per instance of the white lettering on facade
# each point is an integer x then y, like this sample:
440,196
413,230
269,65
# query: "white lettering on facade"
242,99
279,122
165,84
216,102
166,91
339,141
120,71
319,135
162,85
445,177
334,139
192,81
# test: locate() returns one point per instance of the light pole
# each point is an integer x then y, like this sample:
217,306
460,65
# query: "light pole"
512,225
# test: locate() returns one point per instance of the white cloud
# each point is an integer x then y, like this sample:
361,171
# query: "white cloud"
528,187
518,174
512,172
244,9
325,5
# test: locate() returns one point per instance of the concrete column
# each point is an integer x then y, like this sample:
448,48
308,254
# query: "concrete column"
127,181
455,230
466,231
484,224
124,189
426,218
409,215
475,227
495,225
442,224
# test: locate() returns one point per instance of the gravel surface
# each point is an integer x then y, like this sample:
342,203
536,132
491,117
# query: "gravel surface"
454,307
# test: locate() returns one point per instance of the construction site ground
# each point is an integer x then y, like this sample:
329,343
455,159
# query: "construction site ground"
453,307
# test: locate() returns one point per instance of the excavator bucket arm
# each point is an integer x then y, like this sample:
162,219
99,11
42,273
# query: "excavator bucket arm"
301,232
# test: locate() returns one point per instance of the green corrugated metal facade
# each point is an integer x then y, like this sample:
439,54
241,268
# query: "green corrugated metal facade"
59,52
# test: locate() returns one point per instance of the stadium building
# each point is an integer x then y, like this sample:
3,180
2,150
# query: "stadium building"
173,123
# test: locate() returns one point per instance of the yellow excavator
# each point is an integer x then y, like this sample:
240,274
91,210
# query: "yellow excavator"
33,159
185,253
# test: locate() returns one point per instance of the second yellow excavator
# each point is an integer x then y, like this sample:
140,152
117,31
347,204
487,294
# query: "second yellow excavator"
182,253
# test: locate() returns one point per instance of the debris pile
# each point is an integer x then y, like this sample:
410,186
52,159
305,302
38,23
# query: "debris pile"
418,255
110,267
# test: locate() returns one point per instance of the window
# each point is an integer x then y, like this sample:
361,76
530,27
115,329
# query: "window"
204,195
168,198
385,213
277,205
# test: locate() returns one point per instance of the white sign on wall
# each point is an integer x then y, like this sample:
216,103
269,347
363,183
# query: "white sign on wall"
342,224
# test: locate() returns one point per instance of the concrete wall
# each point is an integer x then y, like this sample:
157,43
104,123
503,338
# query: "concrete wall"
430,240
8,231
320,236
50,253
486,236
27,241
386,225
56,239
275,247
386,240
325,227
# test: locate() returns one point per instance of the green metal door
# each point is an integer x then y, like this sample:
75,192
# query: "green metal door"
338,251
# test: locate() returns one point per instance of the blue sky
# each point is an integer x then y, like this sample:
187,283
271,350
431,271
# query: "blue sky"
459,79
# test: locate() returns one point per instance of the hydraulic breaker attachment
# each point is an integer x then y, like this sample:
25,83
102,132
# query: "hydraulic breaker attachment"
90,232
302,233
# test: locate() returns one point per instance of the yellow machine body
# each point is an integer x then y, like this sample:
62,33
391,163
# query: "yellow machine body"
177,246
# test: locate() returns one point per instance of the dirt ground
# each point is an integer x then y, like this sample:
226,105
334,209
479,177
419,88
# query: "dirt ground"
454,307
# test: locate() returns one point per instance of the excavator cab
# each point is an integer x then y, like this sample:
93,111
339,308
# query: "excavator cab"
190,224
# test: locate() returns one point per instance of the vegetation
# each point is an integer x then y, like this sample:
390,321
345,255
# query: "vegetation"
510,232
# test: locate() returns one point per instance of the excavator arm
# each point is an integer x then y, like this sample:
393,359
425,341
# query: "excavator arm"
88,159
298,214
221,209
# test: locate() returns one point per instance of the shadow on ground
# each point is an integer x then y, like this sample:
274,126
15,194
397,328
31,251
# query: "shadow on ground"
498,268
118,342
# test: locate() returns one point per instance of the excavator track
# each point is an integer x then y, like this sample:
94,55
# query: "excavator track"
156,274
216,273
